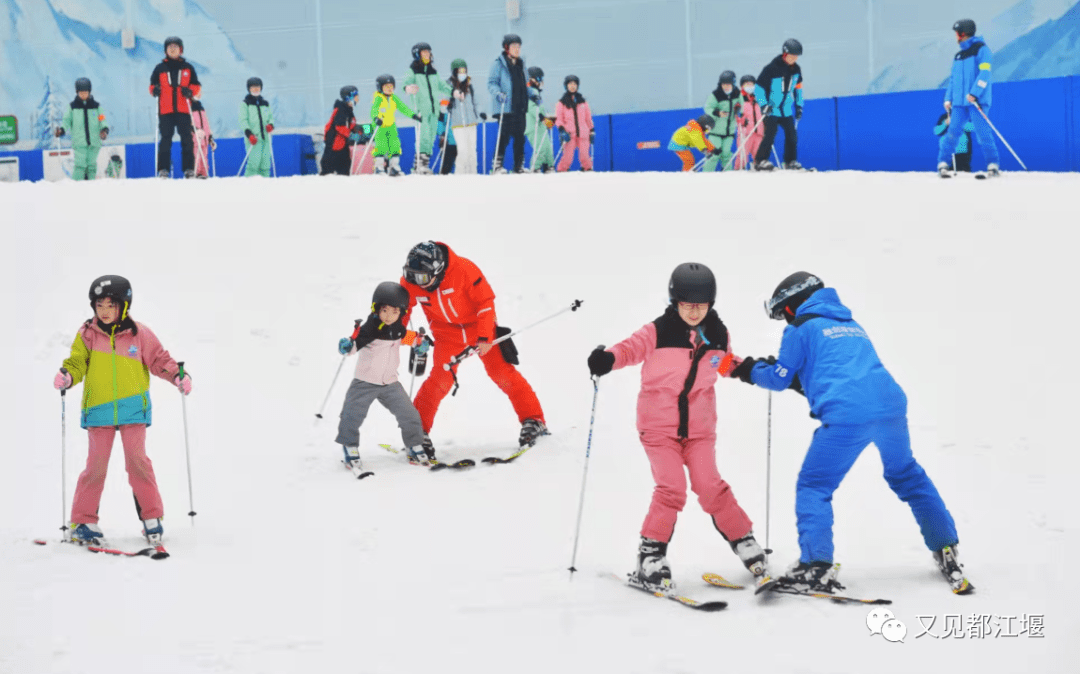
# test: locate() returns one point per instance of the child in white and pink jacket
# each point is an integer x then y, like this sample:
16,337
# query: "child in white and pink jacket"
574,119
751,129
203,139
684,351
378,341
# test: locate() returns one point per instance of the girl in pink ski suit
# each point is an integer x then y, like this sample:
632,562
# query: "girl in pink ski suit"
203,139
574,120
748,122
684,351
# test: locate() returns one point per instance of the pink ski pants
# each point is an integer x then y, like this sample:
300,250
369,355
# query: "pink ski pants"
84,510
748,153
668,457
579,143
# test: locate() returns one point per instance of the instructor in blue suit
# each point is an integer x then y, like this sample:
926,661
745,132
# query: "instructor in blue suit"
828,357
968,90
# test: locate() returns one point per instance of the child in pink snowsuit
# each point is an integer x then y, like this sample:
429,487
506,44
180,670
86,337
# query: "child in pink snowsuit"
574,119
114,357
203,139
750,126
684,351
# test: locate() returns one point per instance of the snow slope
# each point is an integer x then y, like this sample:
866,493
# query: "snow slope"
292,565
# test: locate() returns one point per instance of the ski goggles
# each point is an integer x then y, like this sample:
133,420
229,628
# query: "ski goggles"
774,307
420,277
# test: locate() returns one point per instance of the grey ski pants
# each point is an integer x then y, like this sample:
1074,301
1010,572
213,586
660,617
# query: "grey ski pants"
393,397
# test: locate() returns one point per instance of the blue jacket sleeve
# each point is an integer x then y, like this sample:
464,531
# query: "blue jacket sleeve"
779,377
761,95
493,79
984,61
949,88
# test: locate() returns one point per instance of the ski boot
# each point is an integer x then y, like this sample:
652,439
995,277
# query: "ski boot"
380,166
85,534
420,164
395,166
153,531
951,569
943,170
531,430
993,171
522,169
424,454
793,165
653,571
816,577
545,168
352,457
751,554
189,174
163,173
764,165
497,167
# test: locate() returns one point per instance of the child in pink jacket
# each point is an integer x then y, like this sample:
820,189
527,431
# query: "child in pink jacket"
378,341
751,130
203,139
113,356
574,119
683,351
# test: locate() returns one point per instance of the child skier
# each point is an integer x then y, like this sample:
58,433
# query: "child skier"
780,90
683,351
537,124
175,83
85,121
204,139
724,105
962,152
336,156
257,121
377,342
114,356
383,108
463,118
751,129
427,89
575,122
692,136
828,357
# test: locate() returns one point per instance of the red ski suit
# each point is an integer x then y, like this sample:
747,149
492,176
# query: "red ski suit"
461,312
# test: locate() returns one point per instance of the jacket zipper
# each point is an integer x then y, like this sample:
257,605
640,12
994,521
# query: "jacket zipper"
86,123
262,127
116,388
696,354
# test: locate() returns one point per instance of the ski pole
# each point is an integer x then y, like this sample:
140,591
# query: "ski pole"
743,145
777,158
498,138
483,143
536,148
187,449
977,107
472,349
157,142
356,332
768,476
273,165
63,456
246,155
445,138
198,143
562,146
698,165
213,160
367,150
585,472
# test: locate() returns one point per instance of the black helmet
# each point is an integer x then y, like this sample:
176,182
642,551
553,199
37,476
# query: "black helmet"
536,73
706,122
176,41
347,92
793,46
390,293
692,282
747,78
419,47
964,27
510,39
570,78
425,265
727,77
82,84
791,293
116,287
254,82
383,80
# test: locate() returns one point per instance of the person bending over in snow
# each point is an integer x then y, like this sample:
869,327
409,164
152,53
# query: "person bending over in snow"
692,136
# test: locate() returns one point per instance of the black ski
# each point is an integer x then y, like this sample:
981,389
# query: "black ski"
464,463
496,459
631,581
839,599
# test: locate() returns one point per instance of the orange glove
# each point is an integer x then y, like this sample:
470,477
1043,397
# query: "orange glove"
549,123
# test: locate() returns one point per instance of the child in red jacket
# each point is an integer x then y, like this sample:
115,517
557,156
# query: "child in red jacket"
683,351
574,119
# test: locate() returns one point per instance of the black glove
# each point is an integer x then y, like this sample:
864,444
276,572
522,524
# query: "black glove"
186,92
156,89
798,112
592,137
601,362
368,331
483,116
59,131
715,152
417,117
378,121
394,330
716,112
796,386
738,109
742,371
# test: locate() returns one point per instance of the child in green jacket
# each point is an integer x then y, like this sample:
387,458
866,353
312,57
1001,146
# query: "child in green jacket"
427,89
724,105
85,121
537,124
383,108
257,121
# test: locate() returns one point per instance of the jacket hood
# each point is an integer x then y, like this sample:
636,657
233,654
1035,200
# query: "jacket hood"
255,100
88,103
420,68
976,39
825,302
572,99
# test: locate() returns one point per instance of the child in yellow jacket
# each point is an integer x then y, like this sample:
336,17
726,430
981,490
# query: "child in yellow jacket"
692,136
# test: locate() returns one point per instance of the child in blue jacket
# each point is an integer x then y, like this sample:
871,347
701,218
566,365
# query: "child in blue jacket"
962,152
828,357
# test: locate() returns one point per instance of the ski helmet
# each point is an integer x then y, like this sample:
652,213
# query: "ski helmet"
82,84
390,293
793,46
791,293
964,27
348,92
383,80
425,264
570,78
176,41
458,63
536,73
706,122
254,82
747,78
116,287
727,77
419,47
510,39
692,282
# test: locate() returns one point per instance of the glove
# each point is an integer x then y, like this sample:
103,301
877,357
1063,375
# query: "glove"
412,88
156,90
59,131
186,92
62,381
378,121
459,94
423,345
213,143
948,105
417,117
601,362
251,137
798,112
715,152
500,97
104,134
354,138
738,109
563,135
345,345
743,369
269,128
444,105
717,112
369,330
796,386
592,137
483,116
549,122
183,384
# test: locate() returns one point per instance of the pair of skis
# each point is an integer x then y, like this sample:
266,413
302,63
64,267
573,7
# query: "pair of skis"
156,552
463,463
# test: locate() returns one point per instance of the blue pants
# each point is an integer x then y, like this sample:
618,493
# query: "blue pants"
832,453
961,115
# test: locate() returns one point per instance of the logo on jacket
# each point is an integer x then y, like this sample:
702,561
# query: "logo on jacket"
133,350
715,361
